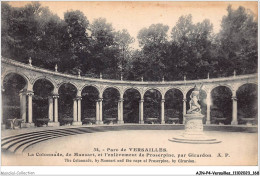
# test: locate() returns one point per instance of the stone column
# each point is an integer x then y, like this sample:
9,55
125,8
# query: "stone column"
208,109
75,111
97,112
23,106
184,110
79,109
56,112
100,111
30,113
3,125
141,111
120,111
54,119
2,115
50,114
162,111
234,111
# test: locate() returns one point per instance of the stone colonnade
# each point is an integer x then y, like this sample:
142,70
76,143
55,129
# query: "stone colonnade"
32,73
27,115
26,109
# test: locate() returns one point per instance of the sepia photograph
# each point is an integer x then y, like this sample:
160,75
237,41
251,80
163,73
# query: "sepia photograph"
130,83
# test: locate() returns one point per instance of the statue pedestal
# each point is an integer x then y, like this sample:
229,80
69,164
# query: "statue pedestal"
193,133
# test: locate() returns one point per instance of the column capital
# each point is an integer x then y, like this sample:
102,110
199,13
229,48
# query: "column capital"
121,100
141,100
25,92
55,96
184,100
78,98
162,100
100,99
29,93
234,98
22,92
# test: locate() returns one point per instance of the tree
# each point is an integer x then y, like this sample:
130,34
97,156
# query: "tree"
102,33
153,41
194,43
50,41
76,40
155,34
20,34
123,40
238,42
104,50
183,30
32,31
7,41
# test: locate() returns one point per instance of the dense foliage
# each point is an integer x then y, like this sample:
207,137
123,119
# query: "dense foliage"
76,45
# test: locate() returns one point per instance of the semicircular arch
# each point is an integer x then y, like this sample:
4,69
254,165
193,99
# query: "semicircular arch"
67,82
113,87
254,83
153,88
89,85
172,88
18,73
46,78
221,85
134,88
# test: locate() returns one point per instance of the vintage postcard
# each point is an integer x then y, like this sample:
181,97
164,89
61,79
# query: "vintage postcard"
89,83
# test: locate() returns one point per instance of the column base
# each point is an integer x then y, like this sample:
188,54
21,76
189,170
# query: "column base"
234,123
162,122
141,122
183,120
3,126
76,123
27,125
99,122
207,122
53,124
120,122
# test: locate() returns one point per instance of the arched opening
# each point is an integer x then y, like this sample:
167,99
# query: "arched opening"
42,89
202,101
12,85
67,92
152,106
247,104
131,106
89,98
173,106
221,105
110,105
